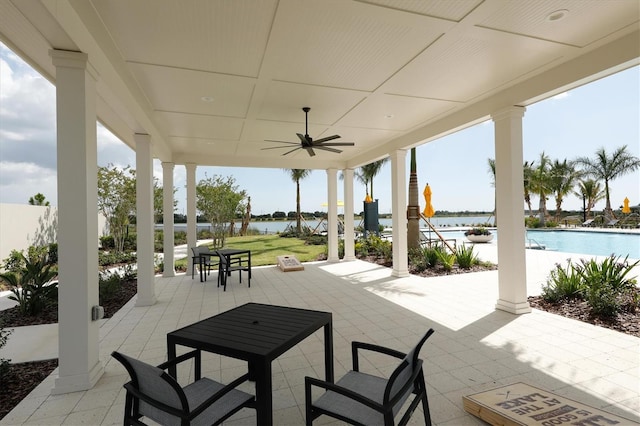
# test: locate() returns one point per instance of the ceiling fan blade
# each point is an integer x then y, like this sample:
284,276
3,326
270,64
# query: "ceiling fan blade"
311,152
287,142
335,144
324,148
302,137
328,138
294,149
277,147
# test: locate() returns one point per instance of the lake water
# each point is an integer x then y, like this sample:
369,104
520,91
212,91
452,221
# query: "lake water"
273,227
568,241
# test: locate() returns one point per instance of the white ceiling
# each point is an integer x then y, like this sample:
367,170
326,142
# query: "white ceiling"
384,74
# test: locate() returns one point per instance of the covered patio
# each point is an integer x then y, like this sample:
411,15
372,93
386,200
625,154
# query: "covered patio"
206,83
474,348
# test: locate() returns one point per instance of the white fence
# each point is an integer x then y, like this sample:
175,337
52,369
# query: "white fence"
23,225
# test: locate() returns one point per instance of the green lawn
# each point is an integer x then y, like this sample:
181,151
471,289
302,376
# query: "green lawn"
265,249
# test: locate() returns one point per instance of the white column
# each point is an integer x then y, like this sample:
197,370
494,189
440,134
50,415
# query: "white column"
191,213
332,215
399,213
144,220
78,348
349,236
512,282
167,220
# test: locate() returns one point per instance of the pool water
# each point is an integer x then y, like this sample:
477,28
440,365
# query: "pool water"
580,242
595,243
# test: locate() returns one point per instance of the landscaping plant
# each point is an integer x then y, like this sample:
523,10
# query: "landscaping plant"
31,286
465,257
563,284
4,363
606,283
603,285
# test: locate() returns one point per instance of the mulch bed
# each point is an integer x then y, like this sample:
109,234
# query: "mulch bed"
22,378
627,321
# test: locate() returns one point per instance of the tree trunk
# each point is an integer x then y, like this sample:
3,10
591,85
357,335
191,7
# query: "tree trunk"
298,224
413,209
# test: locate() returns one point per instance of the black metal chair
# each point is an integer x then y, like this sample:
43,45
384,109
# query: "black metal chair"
363,399
202,257
227,266
154,394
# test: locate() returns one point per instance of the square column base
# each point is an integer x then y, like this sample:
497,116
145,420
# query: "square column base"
78,382
513,308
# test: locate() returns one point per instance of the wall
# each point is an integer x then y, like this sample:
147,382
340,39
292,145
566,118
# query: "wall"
23,225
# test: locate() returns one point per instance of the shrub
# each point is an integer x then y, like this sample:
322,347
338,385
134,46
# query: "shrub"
563,284
446,259
4,363
107,242
431,255
31,286
108,285
477,231
417,259
15,261
606,283
465,257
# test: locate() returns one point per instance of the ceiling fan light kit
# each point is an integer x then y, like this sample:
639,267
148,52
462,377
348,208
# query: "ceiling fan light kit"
308,143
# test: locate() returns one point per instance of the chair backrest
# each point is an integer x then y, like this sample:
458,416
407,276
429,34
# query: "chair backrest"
154,383
196,251
401,381
223,259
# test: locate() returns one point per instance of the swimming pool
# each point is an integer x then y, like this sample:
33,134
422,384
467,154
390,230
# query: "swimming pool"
580,242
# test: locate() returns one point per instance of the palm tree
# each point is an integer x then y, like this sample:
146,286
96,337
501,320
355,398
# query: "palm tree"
590,191
540,185
527,170
297,175
366,173
413,209
607,168
563,177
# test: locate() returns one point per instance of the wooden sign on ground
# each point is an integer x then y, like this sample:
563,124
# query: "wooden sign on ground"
289,263
522,404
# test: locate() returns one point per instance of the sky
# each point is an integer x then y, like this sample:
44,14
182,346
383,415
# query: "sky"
605,113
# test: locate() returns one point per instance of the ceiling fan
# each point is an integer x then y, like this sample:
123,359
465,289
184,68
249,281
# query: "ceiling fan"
307,142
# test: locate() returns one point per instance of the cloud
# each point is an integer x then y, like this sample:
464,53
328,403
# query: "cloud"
560,96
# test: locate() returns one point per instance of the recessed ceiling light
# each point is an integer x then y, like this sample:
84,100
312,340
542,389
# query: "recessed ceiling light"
557,15
206,99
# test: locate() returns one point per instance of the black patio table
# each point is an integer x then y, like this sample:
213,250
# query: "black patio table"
232,255
257,333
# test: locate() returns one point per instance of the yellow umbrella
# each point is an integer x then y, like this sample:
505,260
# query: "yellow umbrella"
625,207
428,209
368,199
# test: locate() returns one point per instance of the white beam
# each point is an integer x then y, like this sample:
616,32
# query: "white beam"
144,221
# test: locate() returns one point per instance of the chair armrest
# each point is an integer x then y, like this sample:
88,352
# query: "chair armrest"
222,392
374,348
312,381
177,360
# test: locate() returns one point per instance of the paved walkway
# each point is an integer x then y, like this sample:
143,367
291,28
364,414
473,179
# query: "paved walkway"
475,347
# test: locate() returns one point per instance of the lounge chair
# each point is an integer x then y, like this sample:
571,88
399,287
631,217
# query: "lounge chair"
612,223
588,222
363,399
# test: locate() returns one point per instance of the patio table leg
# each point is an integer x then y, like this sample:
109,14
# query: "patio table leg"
261,373
328,351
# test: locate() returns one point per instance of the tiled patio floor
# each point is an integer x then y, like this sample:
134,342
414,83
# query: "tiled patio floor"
475,347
